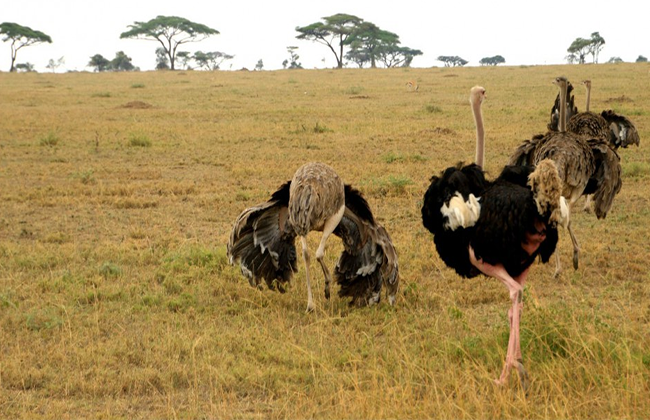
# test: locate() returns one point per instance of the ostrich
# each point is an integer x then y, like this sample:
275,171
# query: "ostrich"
496,228
606,128
263,238
586,166
620,131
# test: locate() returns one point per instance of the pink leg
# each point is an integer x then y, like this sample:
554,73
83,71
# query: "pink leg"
515,287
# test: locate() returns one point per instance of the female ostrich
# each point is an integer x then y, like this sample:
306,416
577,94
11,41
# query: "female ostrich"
263,237
586,166
502,236
604,129
616,129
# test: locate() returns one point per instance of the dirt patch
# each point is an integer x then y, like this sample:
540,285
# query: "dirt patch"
137,105
619,99
360,97
440,131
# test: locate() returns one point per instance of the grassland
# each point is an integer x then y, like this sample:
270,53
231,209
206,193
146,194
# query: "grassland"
118,192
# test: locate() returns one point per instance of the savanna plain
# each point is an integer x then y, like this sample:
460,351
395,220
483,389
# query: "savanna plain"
118,193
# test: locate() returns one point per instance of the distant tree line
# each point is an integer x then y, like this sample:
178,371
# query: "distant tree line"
349,38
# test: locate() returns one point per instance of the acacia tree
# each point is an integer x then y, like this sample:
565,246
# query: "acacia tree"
55,64
492,61
292,62
99,63
335,28
370,44
21,36
211,60
122,62
171,32
369,38
452,61
162,62
579,49
597,43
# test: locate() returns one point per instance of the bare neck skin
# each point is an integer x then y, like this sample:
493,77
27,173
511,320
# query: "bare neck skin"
480,133
562,123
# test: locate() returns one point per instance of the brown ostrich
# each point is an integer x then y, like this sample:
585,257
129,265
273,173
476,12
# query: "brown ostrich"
605,129
586,166
263,237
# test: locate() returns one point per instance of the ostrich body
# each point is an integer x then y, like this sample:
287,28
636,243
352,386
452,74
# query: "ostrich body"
316,202
495,228
607,128
263,237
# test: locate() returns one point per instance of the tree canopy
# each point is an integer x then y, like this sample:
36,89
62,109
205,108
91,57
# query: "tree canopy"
492,61
171,32
99,62
370,44
452,61
335,28
211,60
121,62
580,47
21,36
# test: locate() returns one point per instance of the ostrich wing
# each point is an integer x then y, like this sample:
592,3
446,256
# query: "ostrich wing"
605,182
369,259
264,243
622,131
524,154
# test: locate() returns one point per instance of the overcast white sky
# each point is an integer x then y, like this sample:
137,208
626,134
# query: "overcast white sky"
523,32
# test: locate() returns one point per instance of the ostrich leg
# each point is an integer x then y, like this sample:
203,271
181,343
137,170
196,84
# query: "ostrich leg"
305,255
328,228
515,287
576,246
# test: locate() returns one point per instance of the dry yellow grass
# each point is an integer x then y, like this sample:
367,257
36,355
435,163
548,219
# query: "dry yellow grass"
117,195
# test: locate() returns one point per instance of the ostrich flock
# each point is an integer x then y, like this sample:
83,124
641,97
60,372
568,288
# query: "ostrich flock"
497,228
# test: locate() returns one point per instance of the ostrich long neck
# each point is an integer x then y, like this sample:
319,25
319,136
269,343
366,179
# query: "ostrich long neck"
563,107
588,86
480,133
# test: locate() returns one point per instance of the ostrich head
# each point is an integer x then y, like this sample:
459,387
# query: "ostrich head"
561,82
476,95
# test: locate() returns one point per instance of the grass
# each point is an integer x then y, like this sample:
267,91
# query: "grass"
117,299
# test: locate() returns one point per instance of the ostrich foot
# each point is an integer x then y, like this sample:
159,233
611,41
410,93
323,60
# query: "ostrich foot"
310,308
521,371
523,375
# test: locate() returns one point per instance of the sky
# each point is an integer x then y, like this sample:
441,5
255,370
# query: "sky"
523,32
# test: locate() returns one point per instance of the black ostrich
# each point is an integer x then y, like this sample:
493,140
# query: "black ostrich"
496,228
